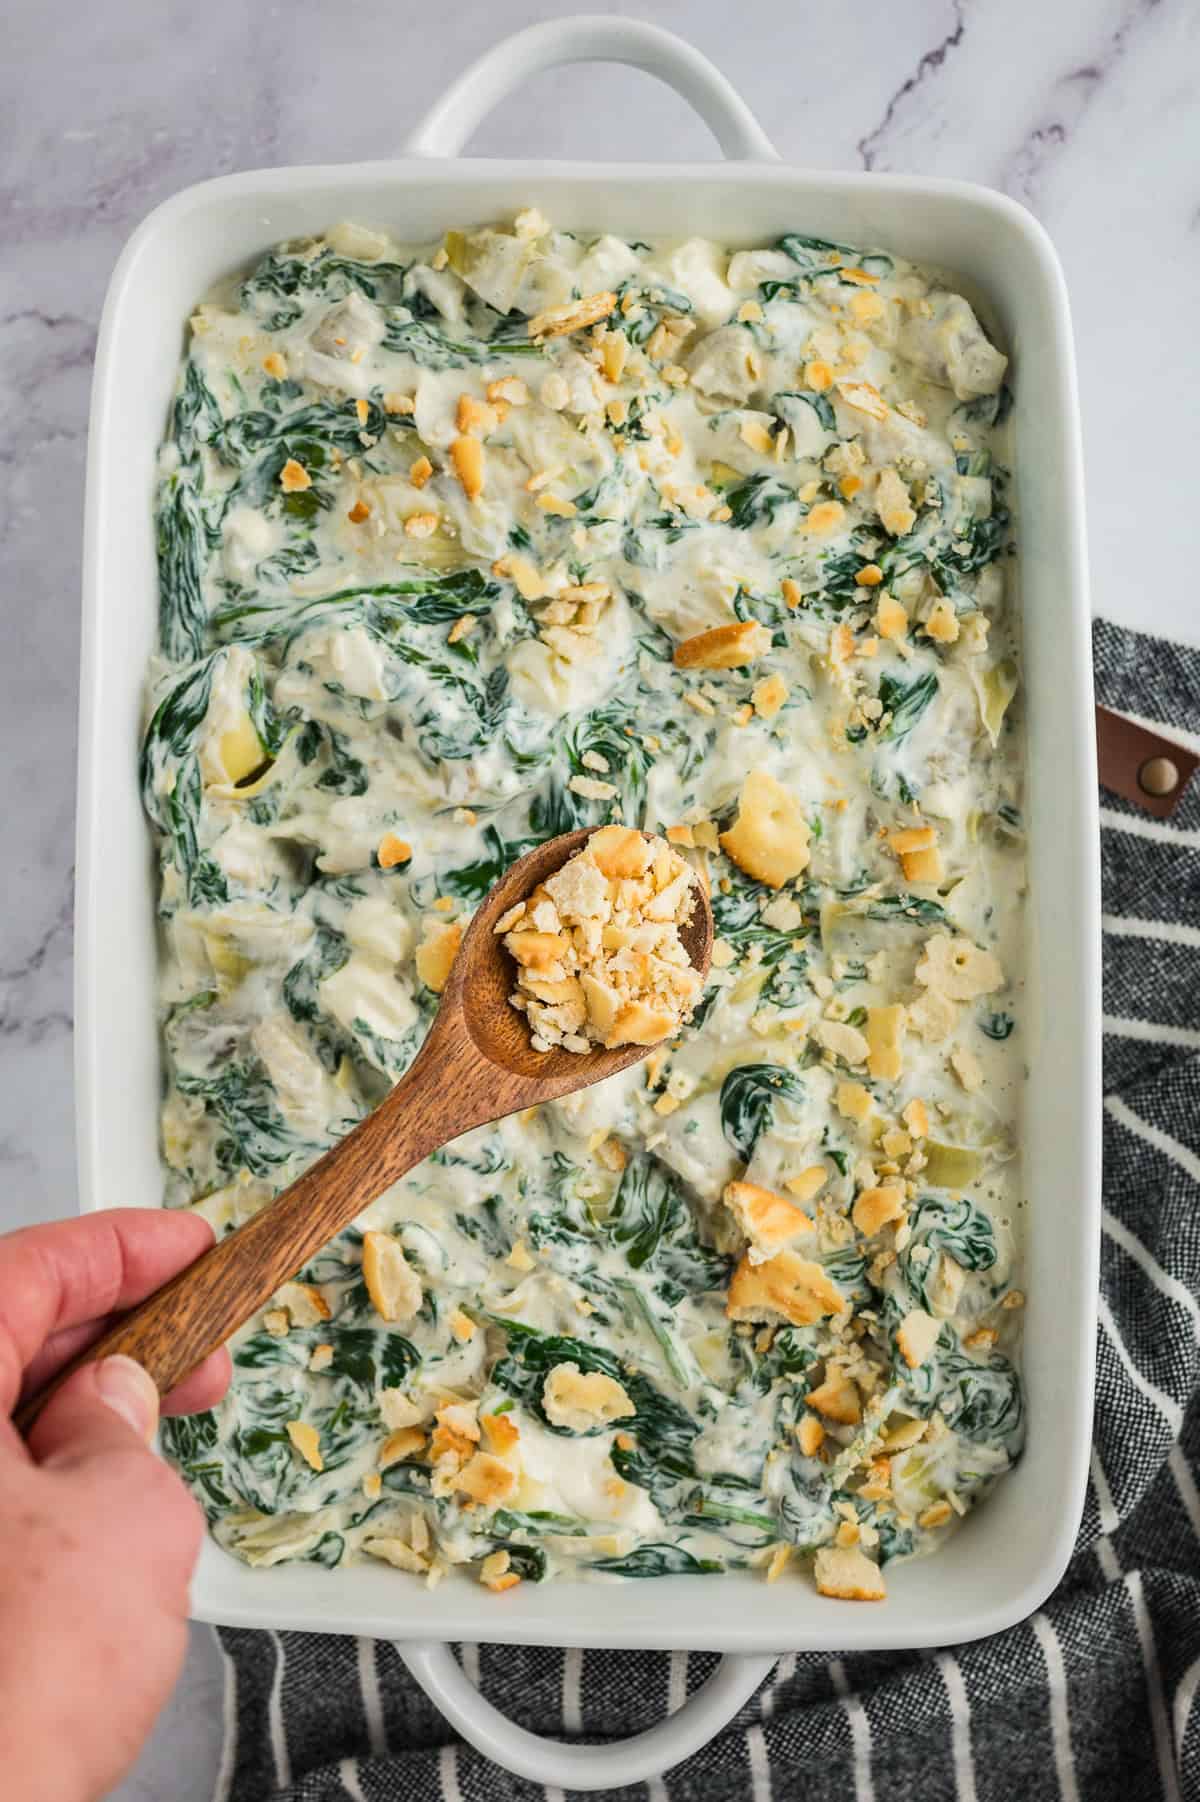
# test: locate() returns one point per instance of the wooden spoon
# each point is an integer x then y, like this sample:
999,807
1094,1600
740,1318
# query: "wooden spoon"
476,1065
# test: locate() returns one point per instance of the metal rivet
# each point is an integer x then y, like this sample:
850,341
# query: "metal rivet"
1158,776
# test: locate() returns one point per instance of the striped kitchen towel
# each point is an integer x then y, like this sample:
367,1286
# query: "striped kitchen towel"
1096,1695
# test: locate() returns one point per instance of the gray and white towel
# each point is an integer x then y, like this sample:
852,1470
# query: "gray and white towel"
1096,1696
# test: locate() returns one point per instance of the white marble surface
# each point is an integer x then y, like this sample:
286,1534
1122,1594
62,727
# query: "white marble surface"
1088,111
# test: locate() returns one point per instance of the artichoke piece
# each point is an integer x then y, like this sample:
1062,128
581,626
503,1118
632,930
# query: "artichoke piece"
240,750
229,965
492,264
995,689
847,931
922,1475
951,1166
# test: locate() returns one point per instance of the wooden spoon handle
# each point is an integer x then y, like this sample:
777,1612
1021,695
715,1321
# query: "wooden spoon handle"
175,1329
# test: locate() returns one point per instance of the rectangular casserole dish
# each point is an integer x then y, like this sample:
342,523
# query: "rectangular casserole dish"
1010,1554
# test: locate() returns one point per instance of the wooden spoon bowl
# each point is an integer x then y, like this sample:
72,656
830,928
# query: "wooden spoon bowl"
481,982
477,1064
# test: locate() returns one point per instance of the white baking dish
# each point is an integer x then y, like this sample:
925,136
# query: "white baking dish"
1007,1557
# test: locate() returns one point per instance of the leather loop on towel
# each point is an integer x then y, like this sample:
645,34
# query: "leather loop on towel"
1137,764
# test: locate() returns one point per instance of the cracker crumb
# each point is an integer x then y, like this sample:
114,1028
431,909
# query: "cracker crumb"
556,322
599,955
307,1442
847,1573
580,1401
294,478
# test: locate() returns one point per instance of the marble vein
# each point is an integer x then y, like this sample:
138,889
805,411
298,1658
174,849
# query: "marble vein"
1073,94
24,1011
931,61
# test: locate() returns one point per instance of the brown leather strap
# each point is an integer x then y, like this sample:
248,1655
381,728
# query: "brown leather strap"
1137,764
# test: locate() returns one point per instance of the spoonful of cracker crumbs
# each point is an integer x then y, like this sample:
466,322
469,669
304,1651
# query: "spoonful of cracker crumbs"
598,946
610,936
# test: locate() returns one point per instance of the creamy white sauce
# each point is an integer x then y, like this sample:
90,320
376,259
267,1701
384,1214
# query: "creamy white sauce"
375,690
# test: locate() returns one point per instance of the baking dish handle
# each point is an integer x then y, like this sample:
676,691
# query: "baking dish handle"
608,1766
591,38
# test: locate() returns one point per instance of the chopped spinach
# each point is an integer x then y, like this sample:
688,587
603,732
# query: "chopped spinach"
662,1428
757,500
325,955
525,1561
652,1560
648,1203
241,1099
432,348
904,702
748,1097
183,545
959,1228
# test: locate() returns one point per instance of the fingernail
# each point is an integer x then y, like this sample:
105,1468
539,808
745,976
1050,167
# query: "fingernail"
129,1391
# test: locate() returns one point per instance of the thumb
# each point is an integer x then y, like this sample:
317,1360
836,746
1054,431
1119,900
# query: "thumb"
105,1407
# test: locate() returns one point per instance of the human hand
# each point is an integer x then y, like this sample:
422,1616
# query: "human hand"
97,1535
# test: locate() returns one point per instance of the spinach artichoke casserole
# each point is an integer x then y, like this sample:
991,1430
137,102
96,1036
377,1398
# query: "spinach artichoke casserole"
468,544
